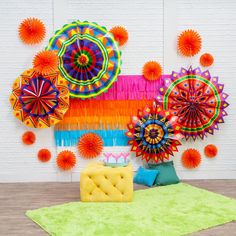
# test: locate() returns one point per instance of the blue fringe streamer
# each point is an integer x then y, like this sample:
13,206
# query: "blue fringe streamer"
70,138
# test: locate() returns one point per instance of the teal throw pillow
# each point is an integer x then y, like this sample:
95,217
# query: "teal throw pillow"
167,173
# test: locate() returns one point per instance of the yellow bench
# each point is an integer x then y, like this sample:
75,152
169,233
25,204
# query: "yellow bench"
99,183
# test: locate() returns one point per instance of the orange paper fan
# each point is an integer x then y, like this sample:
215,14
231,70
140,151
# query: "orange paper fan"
191,158
90,145
120,34
189,43
32,31
44,155
152,70
66,160
206,59
28,138
210,151
45,62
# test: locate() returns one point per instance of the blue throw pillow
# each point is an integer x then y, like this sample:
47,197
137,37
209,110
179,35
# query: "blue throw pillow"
145,176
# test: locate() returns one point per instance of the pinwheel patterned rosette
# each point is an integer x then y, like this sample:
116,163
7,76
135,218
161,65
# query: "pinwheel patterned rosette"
89,58
196,98
154,134
39,101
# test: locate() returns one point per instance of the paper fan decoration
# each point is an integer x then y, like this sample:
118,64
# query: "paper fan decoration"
90,145
191,158
189,43
66,160
39,101
152,70
28,138
44,155
206,59
196,98
32,31
89,58
210,150
120,34
154,134
45,62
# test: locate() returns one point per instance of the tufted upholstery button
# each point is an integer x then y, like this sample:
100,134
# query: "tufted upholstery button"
102,184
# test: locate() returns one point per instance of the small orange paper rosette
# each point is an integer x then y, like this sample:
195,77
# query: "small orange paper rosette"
32,31
210,151
206,59
44,155
152,70
45,62
66,160
120,34
28,138
90,145
189,43
191,158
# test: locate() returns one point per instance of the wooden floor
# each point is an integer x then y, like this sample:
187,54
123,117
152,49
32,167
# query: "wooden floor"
15,199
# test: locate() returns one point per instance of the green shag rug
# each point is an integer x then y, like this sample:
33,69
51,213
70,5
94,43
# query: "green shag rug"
171,210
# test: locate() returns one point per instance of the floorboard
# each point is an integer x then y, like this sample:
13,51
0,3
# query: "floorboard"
16,198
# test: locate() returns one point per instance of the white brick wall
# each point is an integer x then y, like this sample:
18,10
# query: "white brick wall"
153,27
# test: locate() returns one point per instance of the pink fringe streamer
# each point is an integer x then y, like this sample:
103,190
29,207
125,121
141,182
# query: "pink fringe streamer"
132,87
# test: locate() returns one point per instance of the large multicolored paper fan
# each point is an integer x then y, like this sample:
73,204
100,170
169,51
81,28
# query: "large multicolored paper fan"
196,98
154,134
89,58
39,101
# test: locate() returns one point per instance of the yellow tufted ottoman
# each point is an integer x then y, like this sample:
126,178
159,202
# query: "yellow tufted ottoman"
99,183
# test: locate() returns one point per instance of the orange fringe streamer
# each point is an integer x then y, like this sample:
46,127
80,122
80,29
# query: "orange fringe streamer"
104,114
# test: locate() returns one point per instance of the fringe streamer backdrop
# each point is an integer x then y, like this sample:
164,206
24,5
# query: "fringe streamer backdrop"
108,114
